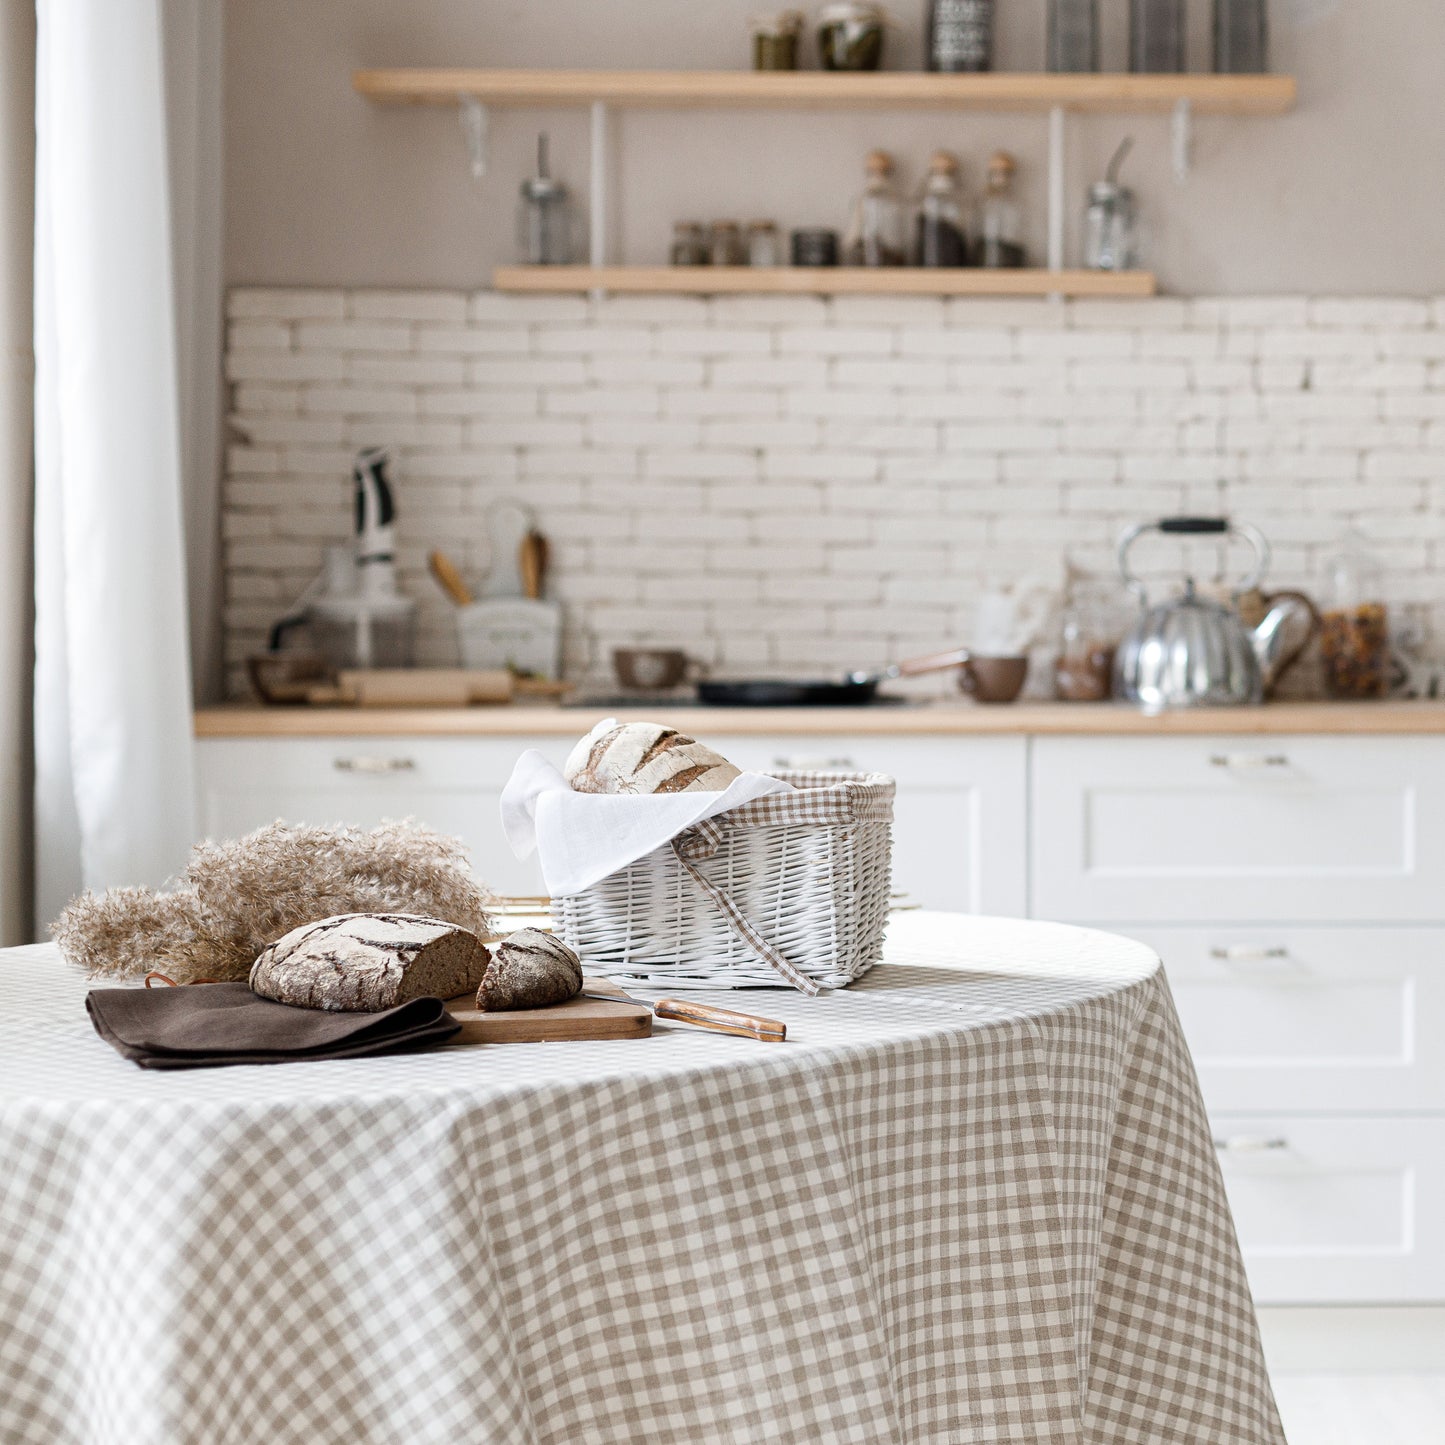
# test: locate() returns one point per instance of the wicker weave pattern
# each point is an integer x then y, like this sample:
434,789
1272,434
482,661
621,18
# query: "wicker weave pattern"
807,871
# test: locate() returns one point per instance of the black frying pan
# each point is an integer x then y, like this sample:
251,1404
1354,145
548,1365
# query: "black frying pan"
851,691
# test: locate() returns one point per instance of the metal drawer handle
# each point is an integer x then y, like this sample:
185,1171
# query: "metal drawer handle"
374,766
1250,1144
816,765
1248,760
1248,953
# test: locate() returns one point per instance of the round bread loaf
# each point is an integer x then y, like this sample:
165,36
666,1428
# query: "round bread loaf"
642,757
529,969
364,962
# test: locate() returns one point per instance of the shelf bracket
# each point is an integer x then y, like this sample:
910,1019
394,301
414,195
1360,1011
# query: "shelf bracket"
473,116
1181,136
597,228
1056,188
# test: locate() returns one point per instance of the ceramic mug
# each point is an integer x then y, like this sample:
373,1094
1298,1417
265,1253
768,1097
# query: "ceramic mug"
654,669
993,679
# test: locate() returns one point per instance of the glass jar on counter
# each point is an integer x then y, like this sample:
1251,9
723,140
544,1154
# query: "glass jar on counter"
1355,640
939,237
876,230
762,244
725,245
689,244
850,36
1094,617
775,40
1000,227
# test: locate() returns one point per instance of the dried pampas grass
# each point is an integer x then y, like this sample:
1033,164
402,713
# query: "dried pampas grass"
236,897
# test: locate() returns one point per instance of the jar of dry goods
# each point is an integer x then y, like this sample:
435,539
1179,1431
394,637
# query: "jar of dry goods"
1094,618
689,245
763,247
814,246
1355,641
939,238
850,36
775,40
1000,227
875,233
725,245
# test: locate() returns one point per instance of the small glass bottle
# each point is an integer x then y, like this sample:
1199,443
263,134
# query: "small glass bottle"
1110,241
1073,40
1156,36
1241,37
1000,229
939,238
545,223
689,245
763,246
1355,642
725,245
875,233
960,35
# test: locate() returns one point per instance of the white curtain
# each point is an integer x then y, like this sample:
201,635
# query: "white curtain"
114,791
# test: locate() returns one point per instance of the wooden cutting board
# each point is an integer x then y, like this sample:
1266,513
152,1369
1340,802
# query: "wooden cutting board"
580,1018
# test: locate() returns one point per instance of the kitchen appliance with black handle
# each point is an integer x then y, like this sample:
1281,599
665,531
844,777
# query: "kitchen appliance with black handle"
1191,652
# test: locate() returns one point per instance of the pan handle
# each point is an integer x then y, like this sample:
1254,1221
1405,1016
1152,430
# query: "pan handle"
933,662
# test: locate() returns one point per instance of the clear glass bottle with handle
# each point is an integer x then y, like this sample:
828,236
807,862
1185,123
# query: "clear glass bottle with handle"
876,230
1241,37
1073,36
546,223
1000,226
1111,220
1156,36
939,238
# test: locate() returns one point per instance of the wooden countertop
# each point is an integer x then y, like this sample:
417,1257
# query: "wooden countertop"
939,719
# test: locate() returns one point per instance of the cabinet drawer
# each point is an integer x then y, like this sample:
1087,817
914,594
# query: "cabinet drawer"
451,784
1269,829
1328,1019
958,819
1337,1210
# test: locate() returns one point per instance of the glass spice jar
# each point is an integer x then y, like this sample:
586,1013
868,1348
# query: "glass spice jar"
762,246
689,245
1000,228
1355,640
939,238
875,233
725,245
775,40
850,36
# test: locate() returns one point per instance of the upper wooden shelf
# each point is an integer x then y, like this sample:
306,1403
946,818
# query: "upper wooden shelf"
881,90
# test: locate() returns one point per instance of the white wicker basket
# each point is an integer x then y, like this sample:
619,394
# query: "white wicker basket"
788,889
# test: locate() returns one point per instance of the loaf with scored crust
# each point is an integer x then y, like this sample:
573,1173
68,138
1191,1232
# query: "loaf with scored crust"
643,757
529,969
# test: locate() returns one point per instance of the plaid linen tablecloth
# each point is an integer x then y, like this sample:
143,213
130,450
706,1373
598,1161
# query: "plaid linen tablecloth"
972,1199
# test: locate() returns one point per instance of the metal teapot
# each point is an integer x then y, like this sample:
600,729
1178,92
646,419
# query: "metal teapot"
1192,652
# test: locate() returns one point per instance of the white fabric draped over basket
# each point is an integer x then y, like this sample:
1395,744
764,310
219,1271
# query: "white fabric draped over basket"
792,888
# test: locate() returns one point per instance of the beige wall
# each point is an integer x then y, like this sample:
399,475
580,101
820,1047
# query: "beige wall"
1343,196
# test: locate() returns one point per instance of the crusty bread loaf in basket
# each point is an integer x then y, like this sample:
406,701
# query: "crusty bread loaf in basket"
790,889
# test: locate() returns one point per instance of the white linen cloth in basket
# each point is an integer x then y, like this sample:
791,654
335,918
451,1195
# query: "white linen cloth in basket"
790,886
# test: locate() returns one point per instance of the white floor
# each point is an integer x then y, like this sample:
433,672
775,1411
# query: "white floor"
1362,1409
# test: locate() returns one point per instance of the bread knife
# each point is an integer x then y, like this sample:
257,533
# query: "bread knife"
704,1015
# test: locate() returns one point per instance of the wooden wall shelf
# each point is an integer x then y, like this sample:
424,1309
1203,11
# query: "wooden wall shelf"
821,281
891,90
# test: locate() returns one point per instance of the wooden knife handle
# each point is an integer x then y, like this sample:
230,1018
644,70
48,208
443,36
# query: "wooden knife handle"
721,1020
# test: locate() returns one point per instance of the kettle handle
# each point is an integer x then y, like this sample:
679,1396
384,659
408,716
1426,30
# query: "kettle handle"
1194,527
1317,626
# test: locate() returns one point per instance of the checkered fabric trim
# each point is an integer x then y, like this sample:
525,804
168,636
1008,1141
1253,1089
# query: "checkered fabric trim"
821,800
972,1198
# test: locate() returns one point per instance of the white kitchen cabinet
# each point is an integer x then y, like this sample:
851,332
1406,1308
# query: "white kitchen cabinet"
1279,1017
452,784
1337,1210
1199,829
959,820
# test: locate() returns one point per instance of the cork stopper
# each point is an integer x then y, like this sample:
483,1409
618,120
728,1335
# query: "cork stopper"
879,163
1002,163
943,163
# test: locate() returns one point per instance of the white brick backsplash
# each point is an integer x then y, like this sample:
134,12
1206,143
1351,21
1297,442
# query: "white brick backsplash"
769,480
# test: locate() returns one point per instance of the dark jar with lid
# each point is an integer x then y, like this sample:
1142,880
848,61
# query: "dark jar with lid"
1156,36
850,36
1241,37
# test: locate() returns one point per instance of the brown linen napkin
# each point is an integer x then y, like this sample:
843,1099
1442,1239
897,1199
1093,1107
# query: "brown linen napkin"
205,1025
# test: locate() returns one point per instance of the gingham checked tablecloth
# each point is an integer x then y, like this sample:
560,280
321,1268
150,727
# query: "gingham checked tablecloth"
972,1199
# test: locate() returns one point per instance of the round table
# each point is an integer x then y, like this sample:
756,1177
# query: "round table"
973,1197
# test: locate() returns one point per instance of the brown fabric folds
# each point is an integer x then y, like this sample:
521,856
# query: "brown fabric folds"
207,1025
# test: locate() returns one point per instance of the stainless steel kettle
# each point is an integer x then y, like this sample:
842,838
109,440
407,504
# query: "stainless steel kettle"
1192,652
